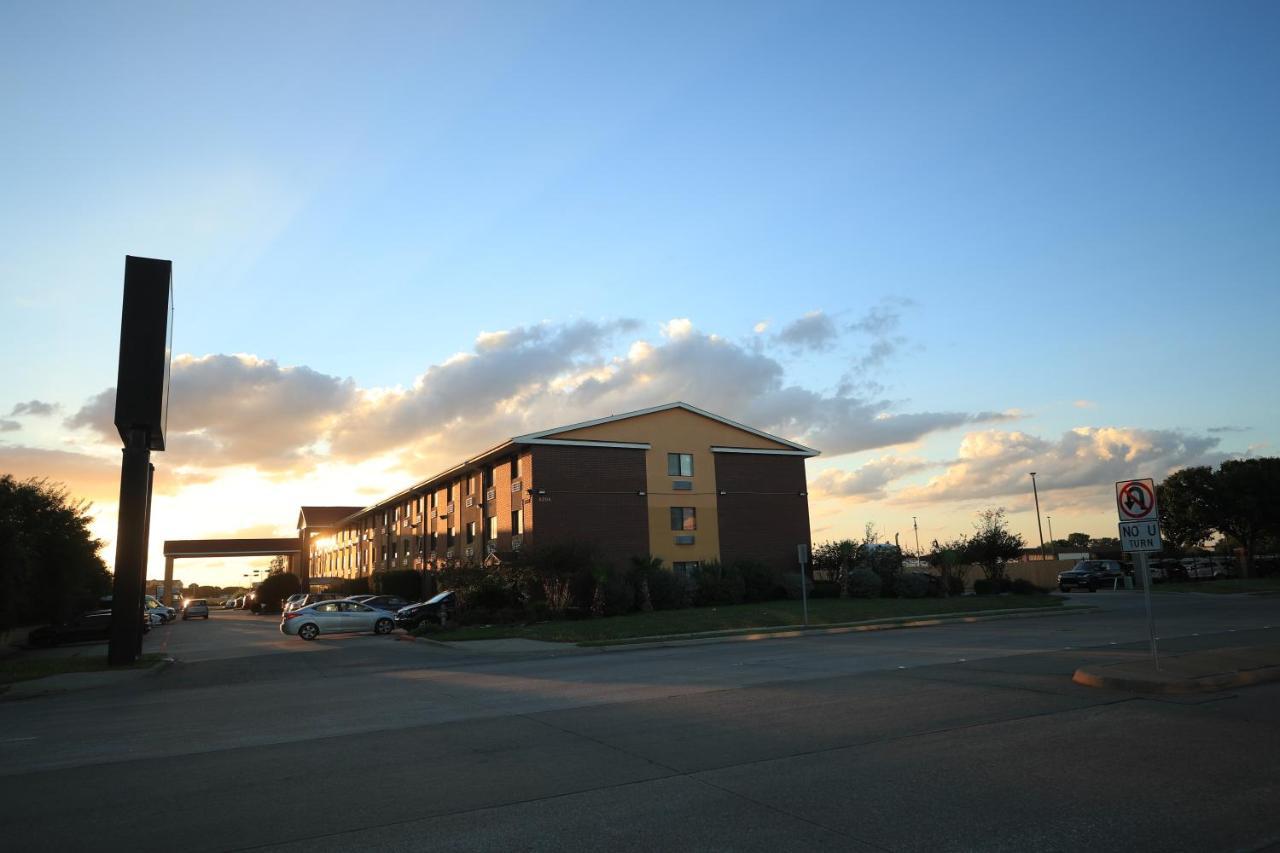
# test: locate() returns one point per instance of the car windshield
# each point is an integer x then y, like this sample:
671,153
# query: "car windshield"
441,597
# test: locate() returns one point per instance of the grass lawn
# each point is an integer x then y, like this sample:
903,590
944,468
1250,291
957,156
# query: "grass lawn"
768,614
23,668
1226,585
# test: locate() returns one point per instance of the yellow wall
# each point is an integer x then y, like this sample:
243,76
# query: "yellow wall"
677,431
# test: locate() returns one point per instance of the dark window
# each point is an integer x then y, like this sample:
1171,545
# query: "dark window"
684,518
680,464
515,467
453,533
488,477
491,527
471,532
517,522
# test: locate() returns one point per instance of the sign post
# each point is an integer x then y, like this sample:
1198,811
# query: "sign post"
802,551
1140,534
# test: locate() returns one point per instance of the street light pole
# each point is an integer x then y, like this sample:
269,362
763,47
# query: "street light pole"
1038,527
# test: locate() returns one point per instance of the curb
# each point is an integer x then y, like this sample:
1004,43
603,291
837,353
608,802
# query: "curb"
1172,686
36,687
792,631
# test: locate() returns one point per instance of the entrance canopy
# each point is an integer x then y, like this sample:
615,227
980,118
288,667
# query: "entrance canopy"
231,547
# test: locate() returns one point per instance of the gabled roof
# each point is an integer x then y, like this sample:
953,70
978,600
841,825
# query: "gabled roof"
541,435
324,516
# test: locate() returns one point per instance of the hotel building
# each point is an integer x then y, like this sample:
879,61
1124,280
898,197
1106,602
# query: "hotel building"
673,482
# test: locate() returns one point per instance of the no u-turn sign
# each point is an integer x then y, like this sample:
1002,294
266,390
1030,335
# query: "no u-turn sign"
1136,500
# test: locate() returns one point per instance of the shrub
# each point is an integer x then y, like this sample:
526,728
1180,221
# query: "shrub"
984,586
669,591
913,585
825,589
955,585
760,582
886,562
864,583
272,592
354,586
791,585
718,584
405,583
1022,586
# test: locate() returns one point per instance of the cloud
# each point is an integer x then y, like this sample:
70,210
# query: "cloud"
1222,429
9,426
761,327
815,331
1085,404
33,407
86,477
242,410
870,480
995,463
237,409
880,323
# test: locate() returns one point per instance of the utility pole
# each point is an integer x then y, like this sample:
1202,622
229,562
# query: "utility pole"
1038,527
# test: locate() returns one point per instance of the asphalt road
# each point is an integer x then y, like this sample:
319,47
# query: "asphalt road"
956,737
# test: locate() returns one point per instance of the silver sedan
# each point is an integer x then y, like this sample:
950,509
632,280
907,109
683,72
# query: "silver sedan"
335,617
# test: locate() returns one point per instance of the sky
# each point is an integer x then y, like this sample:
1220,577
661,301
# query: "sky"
946,244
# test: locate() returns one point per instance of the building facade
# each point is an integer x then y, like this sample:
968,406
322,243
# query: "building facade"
672,482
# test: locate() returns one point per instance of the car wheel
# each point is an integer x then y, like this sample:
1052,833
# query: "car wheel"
384,626
308,631
1093,587
1064,588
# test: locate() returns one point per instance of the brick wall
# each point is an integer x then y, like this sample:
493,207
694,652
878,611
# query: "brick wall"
592,496
761,513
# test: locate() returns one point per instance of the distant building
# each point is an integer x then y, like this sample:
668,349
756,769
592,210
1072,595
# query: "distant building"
673,482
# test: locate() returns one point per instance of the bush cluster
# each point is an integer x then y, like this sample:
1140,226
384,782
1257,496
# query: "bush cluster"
571,581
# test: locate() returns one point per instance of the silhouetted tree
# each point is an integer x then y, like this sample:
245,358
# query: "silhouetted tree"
49,563
992,545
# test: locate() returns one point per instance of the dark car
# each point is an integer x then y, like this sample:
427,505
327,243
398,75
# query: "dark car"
93,625
390,603
1090,574
439,609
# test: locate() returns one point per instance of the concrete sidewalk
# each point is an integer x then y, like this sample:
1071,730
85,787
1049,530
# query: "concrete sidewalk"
1191,672
73,681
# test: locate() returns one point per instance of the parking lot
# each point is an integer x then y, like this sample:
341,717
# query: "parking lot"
953,737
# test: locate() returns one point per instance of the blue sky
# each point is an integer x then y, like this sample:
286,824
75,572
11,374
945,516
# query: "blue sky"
1071,211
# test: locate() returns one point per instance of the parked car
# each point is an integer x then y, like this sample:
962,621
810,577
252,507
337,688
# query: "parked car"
196,607
91,625
1090,574
335,617
443,606
164,612
390,603
293,601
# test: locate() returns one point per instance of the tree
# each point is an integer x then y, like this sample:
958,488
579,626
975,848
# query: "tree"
835,560
949,559
49,563
1245,502
277,565
1078,541
1186,511
274,590
1240,500
992,545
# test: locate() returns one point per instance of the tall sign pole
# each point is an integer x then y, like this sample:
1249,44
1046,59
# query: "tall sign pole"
142,403
1139,535
802,551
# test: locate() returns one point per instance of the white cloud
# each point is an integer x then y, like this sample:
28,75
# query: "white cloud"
994,463
869,481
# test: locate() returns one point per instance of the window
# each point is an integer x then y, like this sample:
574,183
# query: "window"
471,485
435,540
515,467
687,570
680,464
488,477
492,525
471,532
453,534
684,518
517,522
